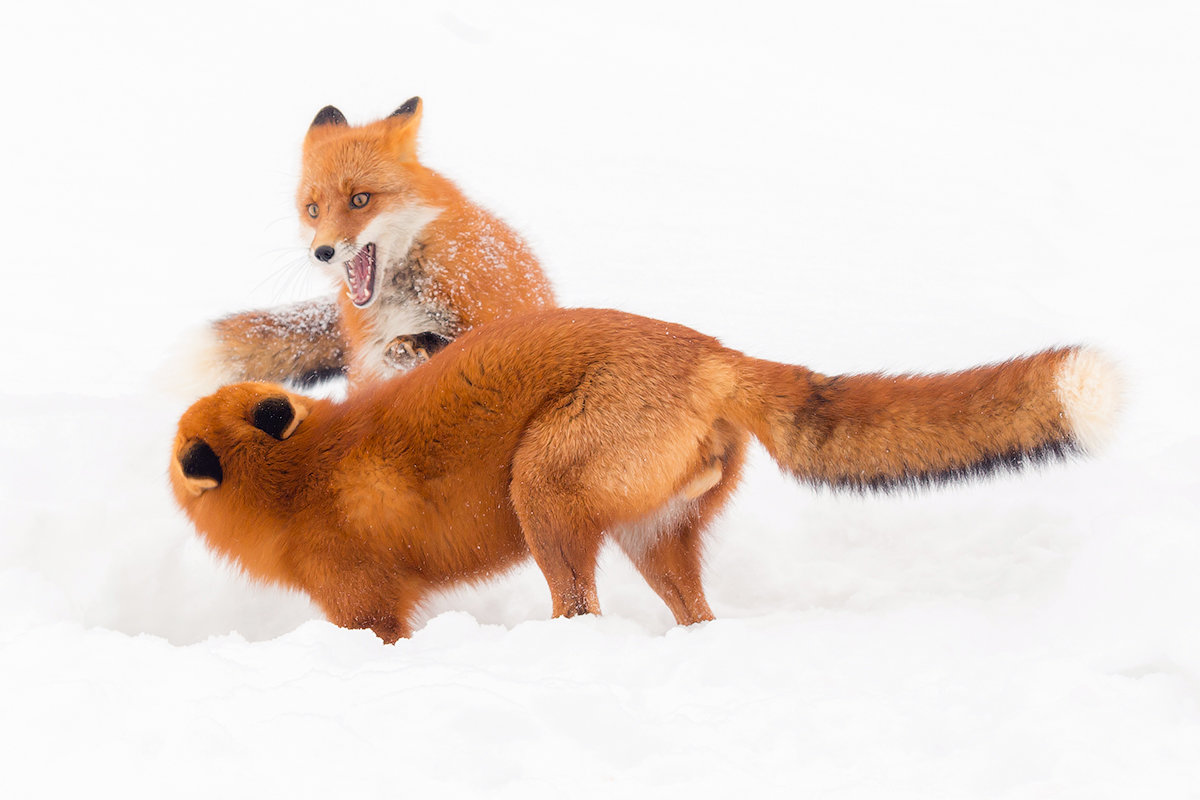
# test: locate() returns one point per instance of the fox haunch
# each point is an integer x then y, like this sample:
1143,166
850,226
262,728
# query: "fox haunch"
545,435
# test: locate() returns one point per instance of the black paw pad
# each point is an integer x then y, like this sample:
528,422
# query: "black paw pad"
274,416
200,462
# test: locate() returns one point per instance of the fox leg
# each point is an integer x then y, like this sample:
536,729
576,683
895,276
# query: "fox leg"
388,627
561,539
667,547
671,564
558,509
568,563
408,351
382,602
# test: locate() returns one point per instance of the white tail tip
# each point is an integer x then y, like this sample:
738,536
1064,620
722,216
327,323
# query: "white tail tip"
1090,389
196,365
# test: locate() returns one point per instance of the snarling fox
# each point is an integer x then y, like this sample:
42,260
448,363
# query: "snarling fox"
416,258
543,436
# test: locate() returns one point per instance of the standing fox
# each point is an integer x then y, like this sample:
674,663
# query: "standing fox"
544,435
421,264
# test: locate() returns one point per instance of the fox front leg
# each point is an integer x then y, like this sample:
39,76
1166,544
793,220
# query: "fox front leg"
411,350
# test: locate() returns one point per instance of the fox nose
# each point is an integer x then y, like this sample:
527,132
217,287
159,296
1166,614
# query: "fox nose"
323,253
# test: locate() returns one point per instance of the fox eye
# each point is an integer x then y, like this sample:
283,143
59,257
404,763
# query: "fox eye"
359,200
312,210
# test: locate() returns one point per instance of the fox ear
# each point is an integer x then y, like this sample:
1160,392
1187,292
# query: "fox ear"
404,122
201,468
328,116
278,416
409,107
327,120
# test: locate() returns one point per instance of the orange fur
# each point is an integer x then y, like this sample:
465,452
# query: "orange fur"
541,436
461,268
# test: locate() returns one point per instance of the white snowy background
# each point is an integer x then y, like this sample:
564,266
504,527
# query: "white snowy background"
850,185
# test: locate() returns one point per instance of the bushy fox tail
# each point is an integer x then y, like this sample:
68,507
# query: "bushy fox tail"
878,432
301,343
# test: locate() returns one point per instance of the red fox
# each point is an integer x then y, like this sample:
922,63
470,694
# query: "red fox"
415,255
544,435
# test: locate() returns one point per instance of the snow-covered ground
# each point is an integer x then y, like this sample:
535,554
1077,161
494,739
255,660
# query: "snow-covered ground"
853,186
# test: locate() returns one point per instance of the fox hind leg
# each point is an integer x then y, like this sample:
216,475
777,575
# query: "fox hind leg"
563,544
669,559
569,565
668,546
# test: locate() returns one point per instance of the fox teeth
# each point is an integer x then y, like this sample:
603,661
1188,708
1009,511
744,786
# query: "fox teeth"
360,276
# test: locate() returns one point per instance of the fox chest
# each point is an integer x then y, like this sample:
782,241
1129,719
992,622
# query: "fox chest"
373,356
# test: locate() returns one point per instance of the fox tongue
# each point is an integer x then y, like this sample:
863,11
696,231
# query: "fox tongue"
360,276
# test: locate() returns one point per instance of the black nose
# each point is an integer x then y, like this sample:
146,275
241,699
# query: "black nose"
323,253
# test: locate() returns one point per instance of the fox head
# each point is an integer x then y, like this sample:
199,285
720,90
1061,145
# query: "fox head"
364,197
239,461
226,435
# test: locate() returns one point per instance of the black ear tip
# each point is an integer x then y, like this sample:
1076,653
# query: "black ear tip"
328,116
201,462
273,415
410,106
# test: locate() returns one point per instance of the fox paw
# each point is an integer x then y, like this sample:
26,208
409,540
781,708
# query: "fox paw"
411,350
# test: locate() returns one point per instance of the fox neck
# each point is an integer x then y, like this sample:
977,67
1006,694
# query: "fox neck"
402,304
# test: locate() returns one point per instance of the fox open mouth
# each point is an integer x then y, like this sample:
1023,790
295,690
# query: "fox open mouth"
360,276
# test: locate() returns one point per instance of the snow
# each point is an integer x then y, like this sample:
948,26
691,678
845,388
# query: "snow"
852,186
